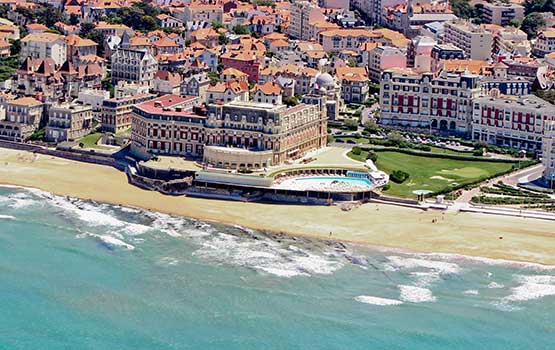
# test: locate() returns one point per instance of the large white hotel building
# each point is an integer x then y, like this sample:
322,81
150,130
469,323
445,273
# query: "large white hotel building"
236,135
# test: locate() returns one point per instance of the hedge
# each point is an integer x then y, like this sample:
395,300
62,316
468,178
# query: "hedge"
510,200
399,176
512,192
447,155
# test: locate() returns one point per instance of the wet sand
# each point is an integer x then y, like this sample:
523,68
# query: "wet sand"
527,240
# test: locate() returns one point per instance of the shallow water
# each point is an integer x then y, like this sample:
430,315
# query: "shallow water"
84,275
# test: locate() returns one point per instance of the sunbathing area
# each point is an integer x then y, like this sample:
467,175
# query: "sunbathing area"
325,183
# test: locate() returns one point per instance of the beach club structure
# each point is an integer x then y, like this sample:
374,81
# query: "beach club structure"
245,151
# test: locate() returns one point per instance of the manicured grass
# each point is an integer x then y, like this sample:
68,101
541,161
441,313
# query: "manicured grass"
90,141
433,174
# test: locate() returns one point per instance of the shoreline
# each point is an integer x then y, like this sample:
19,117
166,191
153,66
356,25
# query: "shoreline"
363,246
373,225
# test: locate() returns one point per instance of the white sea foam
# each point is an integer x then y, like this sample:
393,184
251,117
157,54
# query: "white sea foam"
471,292
495,285
415,294
168,261
441,267
424,279
7,217
112,241
96,215
433,269
264,254
532,287
19,200
367,299
487,261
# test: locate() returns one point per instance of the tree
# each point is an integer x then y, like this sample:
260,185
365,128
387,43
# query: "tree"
86,29
148,23
371,126
372,156
399,176
548,95
395,137
532,23
99,38
531,6
478,13
217,25
15,49
462,8
351,62
26,13
214,78
74,19
140,16
351,124
48,15
4,11
291,101
514,23
241,30
223,39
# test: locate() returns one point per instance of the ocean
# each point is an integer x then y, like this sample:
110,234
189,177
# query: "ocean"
83,275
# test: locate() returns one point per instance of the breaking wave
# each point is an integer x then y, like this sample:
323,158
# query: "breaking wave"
367,299
415,294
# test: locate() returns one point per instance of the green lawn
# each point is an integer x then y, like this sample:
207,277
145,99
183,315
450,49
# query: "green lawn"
90,141
433,174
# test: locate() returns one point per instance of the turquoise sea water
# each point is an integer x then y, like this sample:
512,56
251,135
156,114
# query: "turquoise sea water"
83,275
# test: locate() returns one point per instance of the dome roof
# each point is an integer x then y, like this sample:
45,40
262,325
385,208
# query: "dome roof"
325,80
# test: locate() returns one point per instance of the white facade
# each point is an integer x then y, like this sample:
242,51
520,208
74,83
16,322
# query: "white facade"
474,40
44,45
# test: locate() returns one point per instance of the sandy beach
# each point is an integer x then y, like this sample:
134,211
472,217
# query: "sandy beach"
526,240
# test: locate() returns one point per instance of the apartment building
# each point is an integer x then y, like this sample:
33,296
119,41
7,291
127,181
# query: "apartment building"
511,40
196,85
116,112
22,117
133,66
302,14
228,91
245,62
269,92
338,40
78,47
354,83
476,42
382,58
511,121
68,122
45,45
199,12
545,42
502,13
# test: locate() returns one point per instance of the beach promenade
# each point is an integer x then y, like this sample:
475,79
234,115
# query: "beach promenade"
373,224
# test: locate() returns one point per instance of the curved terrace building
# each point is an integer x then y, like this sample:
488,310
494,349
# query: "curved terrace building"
236,135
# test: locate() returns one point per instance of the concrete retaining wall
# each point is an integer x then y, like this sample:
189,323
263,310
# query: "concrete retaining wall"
77,155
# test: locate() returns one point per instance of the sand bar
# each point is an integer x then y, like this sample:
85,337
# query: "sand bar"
526,240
